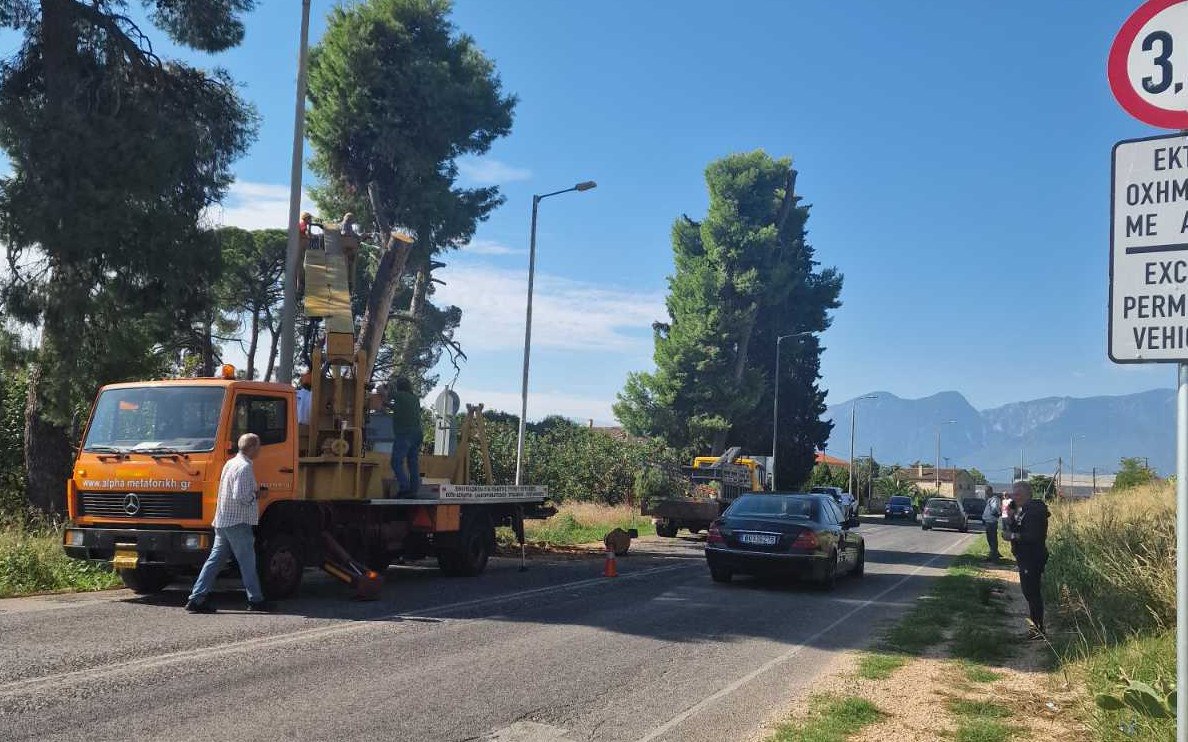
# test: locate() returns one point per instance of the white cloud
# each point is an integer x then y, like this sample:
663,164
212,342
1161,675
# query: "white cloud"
251,205
540,404
487,171
489,247
566,314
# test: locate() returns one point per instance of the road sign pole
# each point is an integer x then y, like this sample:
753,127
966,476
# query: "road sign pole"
1182,554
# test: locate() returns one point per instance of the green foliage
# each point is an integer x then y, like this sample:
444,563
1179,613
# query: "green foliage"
575,462
32,560
114,155
744,276
1144,657
1133,472
831,719
13,386
978,476
1043,487
890,486
397,94
251,286
584,524
652,483
1153,700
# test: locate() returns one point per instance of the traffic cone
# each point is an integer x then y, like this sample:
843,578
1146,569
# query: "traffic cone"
610,569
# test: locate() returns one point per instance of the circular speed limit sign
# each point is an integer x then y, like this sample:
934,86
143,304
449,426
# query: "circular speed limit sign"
1148,67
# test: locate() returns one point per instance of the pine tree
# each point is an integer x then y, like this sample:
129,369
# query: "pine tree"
744,275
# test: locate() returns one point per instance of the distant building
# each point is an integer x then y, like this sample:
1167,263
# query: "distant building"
824,458
955,483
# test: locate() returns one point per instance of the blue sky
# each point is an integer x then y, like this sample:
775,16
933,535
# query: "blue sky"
956,156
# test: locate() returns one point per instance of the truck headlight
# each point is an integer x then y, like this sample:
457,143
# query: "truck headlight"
194,541
73,537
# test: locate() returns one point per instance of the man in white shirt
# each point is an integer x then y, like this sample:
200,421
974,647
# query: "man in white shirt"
235,516
304,399
990,516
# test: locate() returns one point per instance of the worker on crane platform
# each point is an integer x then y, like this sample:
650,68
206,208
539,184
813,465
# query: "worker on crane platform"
407,436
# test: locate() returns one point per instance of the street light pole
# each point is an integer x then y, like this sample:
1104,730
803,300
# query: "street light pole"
775,413
583,186
853,427
289,307
938,456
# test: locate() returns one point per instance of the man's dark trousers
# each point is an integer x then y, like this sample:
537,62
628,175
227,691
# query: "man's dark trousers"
992,539
1031,573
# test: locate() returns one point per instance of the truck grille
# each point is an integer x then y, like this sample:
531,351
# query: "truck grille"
139,505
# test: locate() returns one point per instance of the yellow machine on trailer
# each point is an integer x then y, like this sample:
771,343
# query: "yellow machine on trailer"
145,482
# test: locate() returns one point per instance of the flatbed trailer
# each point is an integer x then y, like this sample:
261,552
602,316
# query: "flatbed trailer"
716,482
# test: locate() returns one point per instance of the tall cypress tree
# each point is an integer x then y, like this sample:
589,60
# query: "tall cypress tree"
744,275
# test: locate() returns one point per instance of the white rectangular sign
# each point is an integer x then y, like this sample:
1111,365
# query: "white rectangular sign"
1149,251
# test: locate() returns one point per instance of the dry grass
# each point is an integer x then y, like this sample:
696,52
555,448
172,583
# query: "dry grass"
581,523
1112,572
1112,568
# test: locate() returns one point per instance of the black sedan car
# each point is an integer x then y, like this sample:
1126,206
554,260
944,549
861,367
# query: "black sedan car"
899,507
785,534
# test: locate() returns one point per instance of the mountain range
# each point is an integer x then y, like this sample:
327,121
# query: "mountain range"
1105,430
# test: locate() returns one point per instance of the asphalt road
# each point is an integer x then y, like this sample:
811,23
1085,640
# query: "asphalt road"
553,654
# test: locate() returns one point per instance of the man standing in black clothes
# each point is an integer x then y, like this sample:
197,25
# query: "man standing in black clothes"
1029,543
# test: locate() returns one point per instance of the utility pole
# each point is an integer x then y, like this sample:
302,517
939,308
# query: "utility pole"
853,428
1095,480
292,252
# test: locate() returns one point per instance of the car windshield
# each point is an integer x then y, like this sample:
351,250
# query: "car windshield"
177,418
942,504
900,501
774,506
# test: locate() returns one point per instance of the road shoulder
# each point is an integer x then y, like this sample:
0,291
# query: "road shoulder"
954,667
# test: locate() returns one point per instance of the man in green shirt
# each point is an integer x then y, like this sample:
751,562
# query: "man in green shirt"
406,438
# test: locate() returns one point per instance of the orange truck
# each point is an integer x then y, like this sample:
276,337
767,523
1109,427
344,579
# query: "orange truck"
145,482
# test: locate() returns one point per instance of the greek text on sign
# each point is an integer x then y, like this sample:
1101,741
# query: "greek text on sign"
1149,251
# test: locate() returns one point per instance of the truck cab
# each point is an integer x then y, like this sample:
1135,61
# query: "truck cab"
146,478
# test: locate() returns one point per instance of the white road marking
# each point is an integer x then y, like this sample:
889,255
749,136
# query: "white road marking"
274,640
722,693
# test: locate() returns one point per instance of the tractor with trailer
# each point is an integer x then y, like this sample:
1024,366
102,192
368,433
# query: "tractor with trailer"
145,481
712,483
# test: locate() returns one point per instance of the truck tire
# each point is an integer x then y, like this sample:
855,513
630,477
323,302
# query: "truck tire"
278,560
146,580
667,530
476,542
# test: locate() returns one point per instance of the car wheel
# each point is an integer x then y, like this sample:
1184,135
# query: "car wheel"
964,529
828,580
924,527
667,530
860,565
721,574
146,580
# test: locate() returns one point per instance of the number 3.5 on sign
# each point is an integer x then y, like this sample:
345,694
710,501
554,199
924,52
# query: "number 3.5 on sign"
1148,64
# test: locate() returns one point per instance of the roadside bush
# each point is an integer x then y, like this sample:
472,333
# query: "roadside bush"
1112,566
1111,577
32,560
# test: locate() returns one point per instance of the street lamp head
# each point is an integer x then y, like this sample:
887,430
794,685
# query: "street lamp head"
585,185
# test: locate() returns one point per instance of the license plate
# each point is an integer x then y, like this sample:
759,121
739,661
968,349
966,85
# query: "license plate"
125,559
760,539
942,520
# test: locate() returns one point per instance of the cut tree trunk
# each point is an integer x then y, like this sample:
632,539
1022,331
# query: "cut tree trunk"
48,456
379,302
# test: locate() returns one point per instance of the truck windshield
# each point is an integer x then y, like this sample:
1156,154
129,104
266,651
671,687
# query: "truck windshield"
178,418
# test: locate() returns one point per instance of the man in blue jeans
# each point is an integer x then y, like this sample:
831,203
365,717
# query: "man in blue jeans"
406,438
235,516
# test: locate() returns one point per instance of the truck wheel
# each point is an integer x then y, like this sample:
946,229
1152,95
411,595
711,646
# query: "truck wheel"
476,541
278,561
667,530
146,580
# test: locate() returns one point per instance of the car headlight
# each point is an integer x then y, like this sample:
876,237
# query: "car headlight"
194,541
73,537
